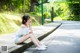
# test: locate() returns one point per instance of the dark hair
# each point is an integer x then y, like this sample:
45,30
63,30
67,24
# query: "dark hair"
25,18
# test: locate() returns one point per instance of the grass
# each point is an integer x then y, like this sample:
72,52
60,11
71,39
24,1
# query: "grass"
8,23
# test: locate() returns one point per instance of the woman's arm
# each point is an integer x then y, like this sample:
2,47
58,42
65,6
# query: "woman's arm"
30,27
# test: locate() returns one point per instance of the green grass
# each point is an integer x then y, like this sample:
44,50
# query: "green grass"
7,23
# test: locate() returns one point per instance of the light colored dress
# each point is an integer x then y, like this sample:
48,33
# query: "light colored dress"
22,31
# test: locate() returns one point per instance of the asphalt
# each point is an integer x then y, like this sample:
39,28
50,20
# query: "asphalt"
66,39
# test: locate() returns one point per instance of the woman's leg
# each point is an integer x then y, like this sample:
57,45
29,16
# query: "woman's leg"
25,37
36,39
41,44
36,42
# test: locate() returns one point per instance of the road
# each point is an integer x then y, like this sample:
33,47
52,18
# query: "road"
66,39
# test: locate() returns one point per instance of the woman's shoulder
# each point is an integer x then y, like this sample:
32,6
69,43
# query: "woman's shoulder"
23,26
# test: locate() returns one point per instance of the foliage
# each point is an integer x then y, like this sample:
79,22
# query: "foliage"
69,9
75,11
14,5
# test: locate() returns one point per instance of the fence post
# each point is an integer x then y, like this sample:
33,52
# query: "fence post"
52,14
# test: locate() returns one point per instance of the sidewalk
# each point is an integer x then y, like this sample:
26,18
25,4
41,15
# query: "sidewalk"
39,31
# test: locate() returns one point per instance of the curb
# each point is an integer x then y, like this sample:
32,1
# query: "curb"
25,46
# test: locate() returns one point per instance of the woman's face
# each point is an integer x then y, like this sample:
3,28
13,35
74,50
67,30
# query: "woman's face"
29,21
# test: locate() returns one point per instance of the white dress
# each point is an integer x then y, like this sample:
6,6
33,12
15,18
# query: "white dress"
22,31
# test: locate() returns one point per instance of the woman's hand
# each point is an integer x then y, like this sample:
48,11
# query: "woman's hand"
30,32
30,23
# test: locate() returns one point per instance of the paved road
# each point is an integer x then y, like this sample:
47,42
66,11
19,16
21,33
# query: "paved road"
66,39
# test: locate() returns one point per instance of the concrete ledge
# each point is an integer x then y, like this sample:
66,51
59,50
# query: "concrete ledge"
29,44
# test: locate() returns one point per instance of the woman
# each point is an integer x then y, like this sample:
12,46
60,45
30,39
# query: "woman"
26,32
